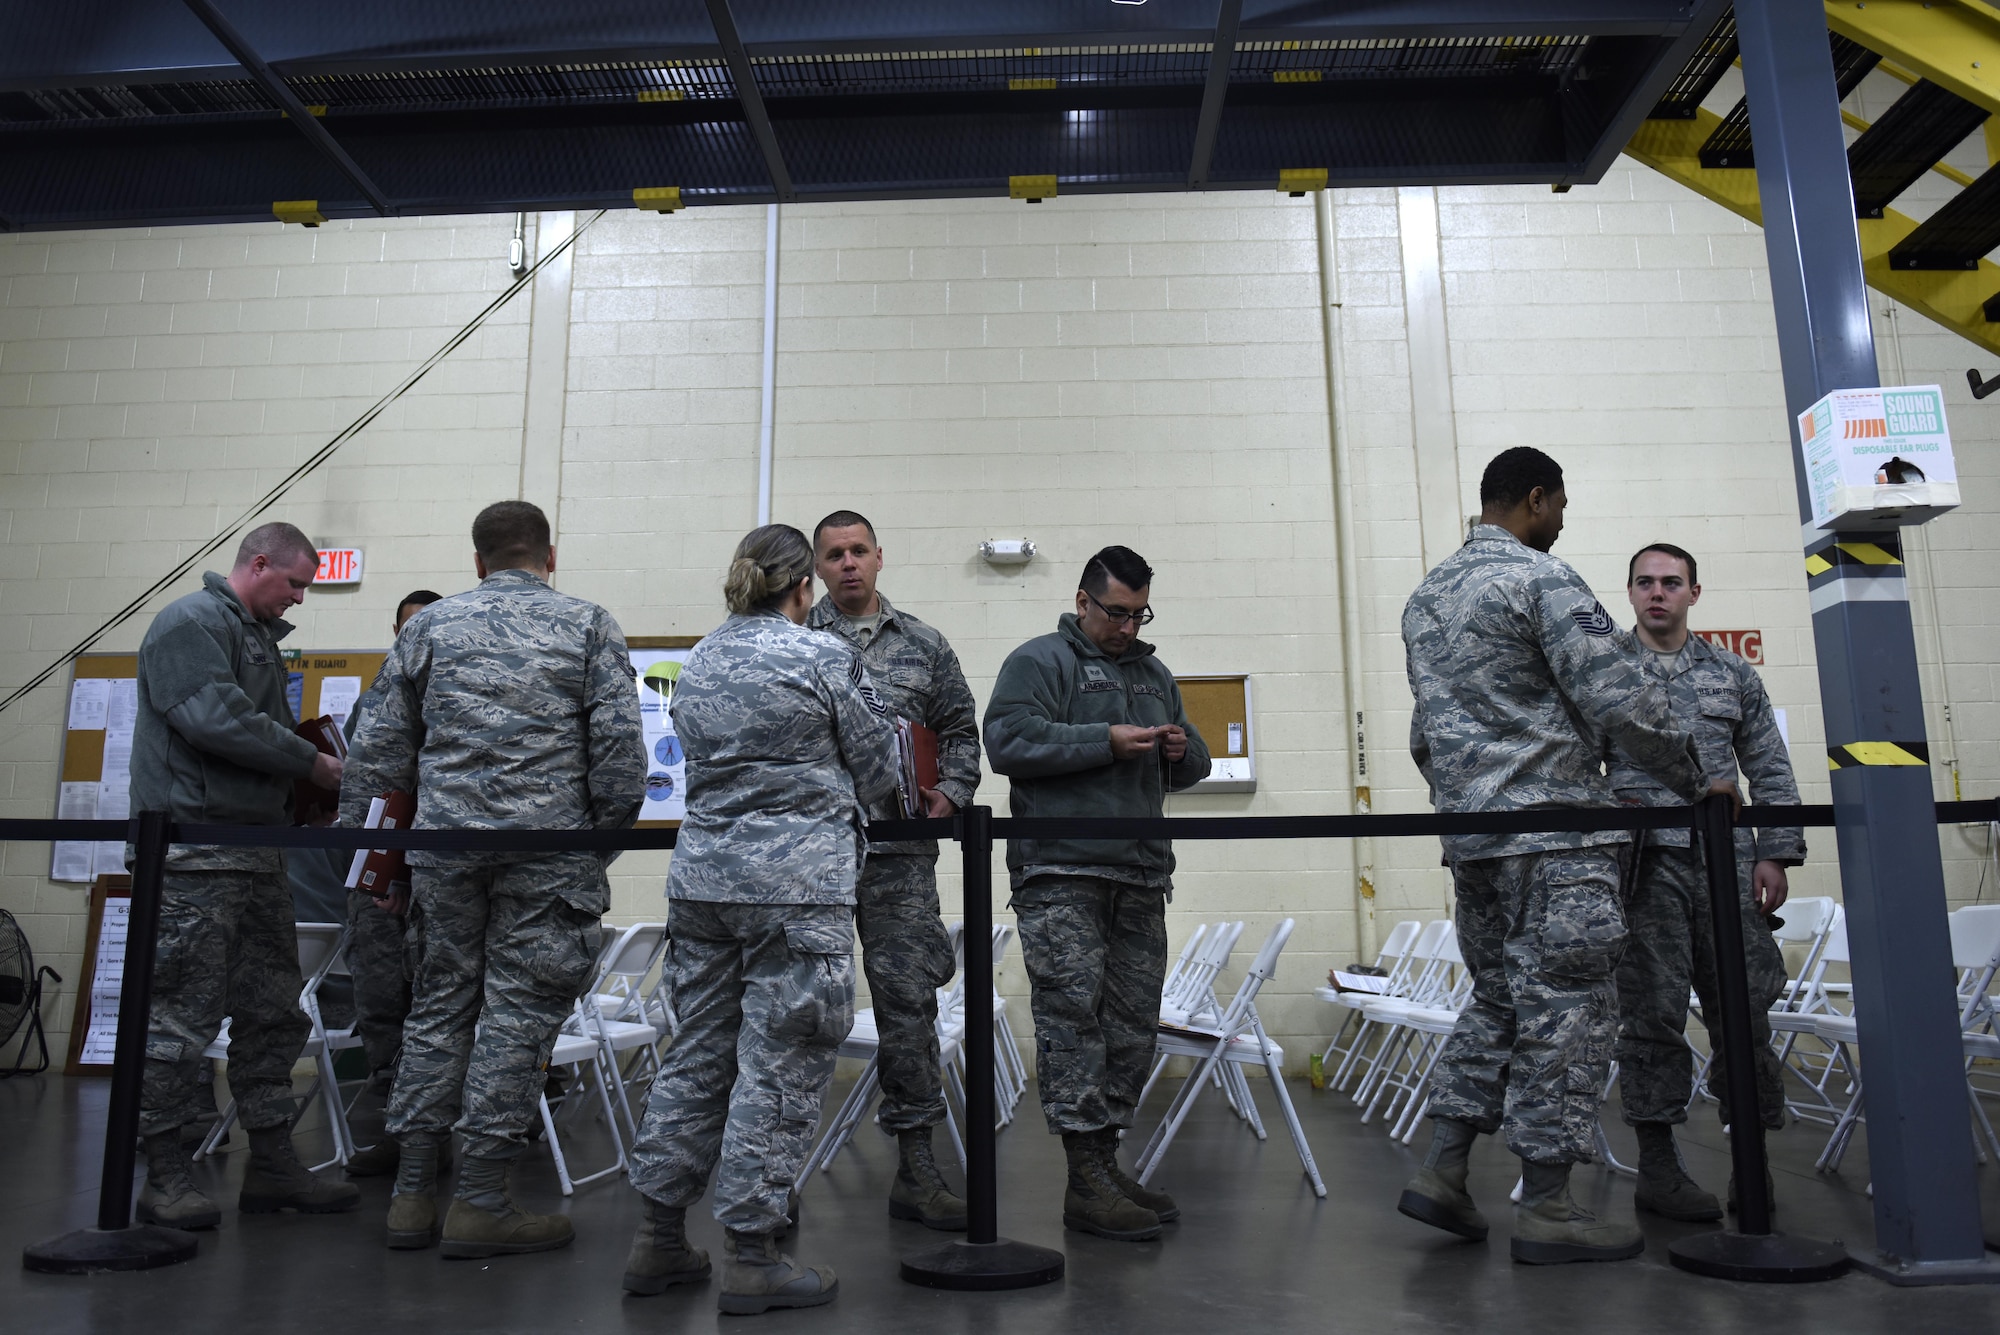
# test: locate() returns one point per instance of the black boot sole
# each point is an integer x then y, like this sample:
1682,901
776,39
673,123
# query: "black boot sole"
648,1285
279,1204
750,1304
955,1223
1560,1253
1083,1225
1427,1211
414,1242
191,1225
475,1251
1706,1215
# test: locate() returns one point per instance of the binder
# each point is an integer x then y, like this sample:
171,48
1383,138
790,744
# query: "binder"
312,804
375,870
916,763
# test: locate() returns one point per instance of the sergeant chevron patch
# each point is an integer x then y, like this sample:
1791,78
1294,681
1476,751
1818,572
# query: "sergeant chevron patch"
1596,621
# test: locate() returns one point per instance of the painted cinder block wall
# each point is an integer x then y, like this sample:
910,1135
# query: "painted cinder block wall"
1144,370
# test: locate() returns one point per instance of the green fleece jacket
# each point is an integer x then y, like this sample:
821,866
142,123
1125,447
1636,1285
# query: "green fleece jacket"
1048,729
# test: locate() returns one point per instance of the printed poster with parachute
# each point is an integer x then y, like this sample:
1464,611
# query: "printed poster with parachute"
656,668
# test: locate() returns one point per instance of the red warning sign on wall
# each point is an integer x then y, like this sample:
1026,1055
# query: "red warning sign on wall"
1745,644
339,565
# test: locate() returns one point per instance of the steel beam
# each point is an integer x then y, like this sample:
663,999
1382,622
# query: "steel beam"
751,98
276,89
1221,55
1926,1201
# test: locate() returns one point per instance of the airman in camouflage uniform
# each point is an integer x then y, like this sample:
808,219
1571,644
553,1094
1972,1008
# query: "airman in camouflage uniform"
213,742
1517,672
787,743
906,951
1720,699
511,706
1089,722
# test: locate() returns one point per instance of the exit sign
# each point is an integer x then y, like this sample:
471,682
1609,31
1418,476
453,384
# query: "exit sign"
339,565
1745,644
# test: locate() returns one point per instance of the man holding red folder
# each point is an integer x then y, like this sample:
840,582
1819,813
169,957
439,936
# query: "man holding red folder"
905,950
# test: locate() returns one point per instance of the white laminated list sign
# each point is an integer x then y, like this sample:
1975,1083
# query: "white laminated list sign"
107,976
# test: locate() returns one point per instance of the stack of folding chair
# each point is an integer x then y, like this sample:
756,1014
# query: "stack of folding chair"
1393,961
1416,1031
1415,982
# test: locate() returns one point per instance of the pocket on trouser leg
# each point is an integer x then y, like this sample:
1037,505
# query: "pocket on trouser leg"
1582,930
813,1004
791,1138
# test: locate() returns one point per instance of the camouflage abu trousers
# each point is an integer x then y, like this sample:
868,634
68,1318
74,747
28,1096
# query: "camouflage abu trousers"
227,947
906,954
1096,954
1673,948
382,957
504,955
1541,934
765,994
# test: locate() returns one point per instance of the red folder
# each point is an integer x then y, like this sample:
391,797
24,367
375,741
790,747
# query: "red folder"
312,804
375,870
917,760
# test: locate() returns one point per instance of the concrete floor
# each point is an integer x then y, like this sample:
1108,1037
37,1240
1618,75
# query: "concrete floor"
1254,1250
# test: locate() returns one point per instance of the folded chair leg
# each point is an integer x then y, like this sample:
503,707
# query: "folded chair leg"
1298,1131
1163,1135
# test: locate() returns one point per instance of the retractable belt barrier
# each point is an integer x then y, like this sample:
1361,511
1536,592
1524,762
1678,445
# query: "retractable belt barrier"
983,1259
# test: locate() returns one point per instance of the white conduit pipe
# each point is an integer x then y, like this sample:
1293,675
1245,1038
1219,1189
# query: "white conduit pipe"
767,412
1352,687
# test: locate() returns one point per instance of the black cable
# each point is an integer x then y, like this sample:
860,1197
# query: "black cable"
297,475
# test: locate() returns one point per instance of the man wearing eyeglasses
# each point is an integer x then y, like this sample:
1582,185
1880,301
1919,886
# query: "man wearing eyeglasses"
1088,722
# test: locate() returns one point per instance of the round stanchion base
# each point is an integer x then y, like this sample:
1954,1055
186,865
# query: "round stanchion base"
91,1251
1768,1258
972,1266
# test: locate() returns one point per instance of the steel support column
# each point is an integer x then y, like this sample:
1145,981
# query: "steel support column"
1919,1142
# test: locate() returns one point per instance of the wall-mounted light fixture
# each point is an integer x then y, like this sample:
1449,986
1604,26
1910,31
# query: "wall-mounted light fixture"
1007,551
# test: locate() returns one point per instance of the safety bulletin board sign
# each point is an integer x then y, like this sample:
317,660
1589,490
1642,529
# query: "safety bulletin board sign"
96,782
656,670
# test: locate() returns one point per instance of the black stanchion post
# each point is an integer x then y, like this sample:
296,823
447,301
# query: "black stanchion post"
1753,1251
117,1243
982,1259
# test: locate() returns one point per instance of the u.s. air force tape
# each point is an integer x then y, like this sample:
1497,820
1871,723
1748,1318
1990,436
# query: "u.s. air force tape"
1878,753
1596,621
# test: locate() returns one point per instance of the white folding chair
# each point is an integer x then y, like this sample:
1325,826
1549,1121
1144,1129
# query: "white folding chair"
622,1016
1390,959
1415,967
1237,1038
1812,998
1417,1040
1192,998
1432,983
584,1056
320,949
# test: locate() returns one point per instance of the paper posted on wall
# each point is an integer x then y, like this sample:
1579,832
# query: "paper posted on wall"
916,765
107,981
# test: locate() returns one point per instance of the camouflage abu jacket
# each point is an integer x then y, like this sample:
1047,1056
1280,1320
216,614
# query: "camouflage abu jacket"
1519,675
917,674
786,742
1721,700
507,707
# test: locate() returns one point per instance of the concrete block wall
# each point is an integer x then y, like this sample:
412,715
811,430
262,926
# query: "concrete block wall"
1145,370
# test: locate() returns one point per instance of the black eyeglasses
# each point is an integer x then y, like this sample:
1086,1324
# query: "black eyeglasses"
1138,618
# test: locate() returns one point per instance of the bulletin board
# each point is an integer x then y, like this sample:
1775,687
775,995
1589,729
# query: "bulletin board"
1219,708
656,669
96,775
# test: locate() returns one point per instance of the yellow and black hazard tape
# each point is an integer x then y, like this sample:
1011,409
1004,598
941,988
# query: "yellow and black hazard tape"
1880,555
1878,753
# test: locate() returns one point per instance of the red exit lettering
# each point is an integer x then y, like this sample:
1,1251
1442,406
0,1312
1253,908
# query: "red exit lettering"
339,565
1745,644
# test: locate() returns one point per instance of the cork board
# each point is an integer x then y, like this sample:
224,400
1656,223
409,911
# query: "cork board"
1219,708
96,774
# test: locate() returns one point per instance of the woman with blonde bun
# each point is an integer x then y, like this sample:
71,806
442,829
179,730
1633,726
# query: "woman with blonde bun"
786,743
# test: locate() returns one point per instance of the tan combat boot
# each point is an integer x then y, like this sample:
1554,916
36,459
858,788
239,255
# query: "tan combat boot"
920,1193
661,1257
759,1277
413,1211
170,1198
1092,1202
1145,1197
1664,1188
1550,1228
278,1181
1437,1194
484,1221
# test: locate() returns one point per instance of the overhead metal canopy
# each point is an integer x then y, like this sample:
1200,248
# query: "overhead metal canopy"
115,112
